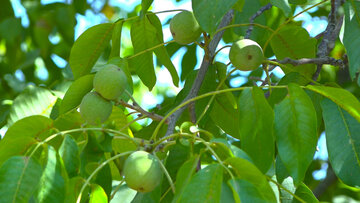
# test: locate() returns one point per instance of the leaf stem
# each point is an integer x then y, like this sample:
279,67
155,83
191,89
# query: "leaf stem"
156,131
150,49
284,188
116,189
97,170
213,96
166,174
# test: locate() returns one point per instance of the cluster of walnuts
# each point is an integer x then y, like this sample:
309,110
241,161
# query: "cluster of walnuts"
245,54
109,83
142,170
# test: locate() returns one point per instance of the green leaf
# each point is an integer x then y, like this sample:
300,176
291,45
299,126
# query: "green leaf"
278,94
73,187
104,179
4,113
32,101
225,115
149,197
288,184
97,194
237,152
341,97
22,134
210,12
188,61
221,147
124,195
281,172
116,39
242,17
296,132
298,2
294,42
343,142
247,191
78,89
10,29
184,176
52,184
257,181
283,5
178,155
227,195
239,5
205,186
256,127
305,194
145,4
301,191
70,155
350,39
80,6
161,52
88,48
65,21
6,10
19,177
143,36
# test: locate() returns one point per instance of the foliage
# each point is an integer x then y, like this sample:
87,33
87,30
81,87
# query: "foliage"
249,143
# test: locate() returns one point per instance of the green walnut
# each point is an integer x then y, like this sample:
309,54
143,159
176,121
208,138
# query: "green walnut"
110,82
184,28
246,55
95,109
142,171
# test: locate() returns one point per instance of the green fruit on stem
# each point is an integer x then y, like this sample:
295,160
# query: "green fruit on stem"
142,171
246,55
110,82
184,28
185,127
95,109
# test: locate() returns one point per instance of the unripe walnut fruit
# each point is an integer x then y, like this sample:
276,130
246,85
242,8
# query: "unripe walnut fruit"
246,55
184,28
142,171
110,82
95,109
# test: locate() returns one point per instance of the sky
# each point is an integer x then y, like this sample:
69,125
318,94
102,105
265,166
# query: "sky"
313,25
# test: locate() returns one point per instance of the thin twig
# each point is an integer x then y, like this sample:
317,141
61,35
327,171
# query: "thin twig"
138,108
252,19
207,60
331,33
317,61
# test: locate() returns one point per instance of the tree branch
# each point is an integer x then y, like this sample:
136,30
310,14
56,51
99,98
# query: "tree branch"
253,17
326,183
317,61
207,60
331,33
138,108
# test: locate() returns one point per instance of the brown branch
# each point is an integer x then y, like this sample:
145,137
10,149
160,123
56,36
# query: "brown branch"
207,60
253,17
331,33
326,183
317,61
142,111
